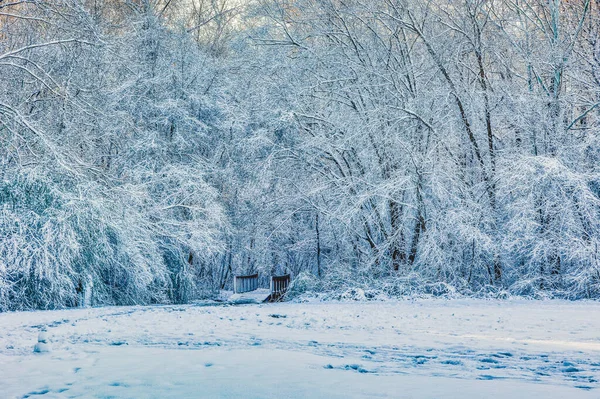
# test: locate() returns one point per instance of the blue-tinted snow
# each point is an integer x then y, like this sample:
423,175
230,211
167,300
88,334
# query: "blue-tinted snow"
421,349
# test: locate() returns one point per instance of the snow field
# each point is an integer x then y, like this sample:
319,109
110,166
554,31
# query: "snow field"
404,349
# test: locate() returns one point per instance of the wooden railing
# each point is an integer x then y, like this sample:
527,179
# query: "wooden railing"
243,284
279,286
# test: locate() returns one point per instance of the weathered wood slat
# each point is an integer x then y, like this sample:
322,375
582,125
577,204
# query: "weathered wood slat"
279,286
243,284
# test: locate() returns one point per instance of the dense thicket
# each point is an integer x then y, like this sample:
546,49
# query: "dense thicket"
151,149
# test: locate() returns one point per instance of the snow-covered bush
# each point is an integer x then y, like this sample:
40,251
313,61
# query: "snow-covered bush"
304,283
552,228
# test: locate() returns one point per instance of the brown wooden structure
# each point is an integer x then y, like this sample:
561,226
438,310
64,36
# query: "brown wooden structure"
279,286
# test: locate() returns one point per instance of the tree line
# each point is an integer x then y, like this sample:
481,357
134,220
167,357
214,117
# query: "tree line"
152,149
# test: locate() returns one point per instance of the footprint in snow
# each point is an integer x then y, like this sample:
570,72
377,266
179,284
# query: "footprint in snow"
356,367
452,362
488,377
489,360
118,384
36,393
278,316
569,367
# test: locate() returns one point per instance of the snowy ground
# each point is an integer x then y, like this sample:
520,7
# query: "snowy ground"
406,349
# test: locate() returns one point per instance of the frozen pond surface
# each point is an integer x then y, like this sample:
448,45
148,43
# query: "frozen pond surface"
405,349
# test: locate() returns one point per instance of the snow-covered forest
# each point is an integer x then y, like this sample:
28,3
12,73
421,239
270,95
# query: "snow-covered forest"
152,149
